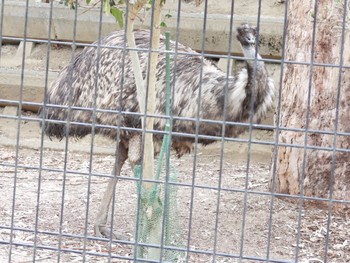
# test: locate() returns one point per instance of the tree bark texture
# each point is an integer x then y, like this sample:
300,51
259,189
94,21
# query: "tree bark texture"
322,173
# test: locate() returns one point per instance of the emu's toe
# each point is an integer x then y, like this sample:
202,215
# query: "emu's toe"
103,231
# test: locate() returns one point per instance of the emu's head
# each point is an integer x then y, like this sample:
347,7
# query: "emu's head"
246,35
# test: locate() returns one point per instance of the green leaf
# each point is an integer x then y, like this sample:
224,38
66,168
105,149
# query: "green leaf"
118,15
168,15
162,24
88,1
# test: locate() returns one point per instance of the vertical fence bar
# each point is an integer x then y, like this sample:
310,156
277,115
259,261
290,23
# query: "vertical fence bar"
336,124
20,99
311,66
92,141
198,110
222,143
277,132
67,131
43,114
250,134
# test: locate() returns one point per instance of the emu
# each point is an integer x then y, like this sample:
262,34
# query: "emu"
246,96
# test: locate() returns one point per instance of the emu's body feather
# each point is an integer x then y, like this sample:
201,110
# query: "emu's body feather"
76,86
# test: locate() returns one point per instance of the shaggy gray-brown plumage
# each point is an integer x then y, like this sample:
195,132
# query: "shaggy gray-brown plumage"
75,86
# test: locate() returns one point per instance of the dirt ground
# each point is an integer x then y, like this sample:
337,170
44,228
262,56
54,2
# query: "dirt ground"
51,201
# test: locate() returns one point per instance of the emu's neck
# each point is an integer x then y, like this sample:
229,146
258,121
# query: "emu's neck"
257,74
249,84
250,53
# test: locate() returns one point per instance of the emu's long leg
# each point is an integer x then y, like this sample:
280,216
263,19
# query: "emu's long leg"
100,227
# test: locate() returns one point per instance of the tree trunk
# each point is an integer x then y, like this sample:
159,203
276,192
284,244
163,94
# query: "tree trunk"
324,173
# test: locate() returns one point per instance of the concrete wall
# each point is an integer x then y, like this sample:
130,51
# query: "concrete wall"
190,29
33,86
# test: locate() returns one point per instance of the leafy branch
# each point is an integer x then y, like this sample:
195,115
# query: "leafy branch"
115,8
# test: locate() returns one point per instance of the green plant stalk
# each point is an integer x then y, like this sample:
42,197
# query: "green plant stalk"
167,129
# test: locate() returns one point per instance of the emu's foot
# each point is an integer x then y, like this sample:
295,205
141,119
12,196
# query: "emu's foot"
103,231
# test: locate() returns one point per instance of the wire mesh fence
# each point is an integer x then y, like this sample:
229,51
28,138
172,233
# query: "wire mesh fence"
242,191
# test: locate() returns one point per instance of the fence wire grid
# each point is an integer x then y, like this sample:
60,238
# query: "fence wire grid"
228,206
